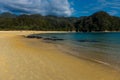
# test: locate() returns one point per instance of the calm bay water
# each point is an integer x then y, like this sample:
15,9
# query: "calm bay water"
97,46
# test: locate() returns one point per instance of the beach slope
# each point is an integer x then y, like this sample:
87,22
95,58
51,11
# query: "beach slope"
32,59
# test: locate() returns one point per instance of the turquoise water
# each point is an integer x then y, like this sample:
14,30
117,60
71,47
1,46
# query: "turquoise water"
99,47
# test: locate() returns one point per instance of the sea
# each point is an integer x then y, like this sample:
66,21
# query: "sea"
100,47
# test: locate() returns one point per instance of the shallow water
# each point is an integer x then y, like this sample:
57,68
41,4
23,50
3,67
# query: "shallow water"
97,46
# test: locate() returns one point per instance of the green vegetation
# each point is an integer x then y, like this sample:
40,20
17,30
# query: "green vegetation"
100,21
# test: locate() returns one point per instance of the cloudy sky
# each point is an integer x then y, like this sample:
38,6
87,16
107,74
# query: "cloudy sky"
60,7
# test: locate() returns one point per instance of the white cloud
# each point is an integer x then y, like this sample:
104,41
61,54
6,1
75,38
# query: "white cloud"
44,7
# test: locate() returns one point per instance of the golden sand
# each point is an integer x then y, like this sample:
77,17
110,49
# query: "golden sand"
32,59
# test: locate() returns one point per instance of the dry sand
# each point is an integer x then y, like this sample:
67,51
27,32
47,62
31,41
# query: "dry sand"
32,59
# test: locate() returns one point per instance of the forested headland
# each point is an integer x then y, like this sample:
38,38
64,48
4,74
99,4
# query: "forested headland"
99,21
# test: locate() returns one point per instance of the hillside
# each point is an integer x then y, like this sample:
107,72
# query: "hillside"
99,21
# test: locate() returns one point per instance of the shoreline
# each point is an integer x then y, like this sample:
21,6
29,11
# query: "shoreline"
33,59
72,53
87,58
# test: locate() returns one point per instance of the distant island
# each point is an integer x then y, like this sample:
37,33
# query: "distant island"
99,21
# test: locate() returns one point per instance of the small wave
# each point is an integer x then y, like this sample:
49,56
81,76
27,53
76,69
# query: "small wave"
69,50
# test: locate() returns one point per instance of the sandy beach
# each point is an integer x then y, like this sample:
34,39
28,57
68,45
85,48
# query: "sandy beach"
32,59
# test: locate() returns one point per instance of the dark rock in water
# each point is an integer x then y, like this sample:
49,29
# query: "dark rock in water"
87,41
53,39
58,39
31,36
38,37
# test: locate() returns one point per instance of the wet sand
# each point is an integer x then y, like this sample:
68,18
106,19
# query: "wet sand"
32,59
